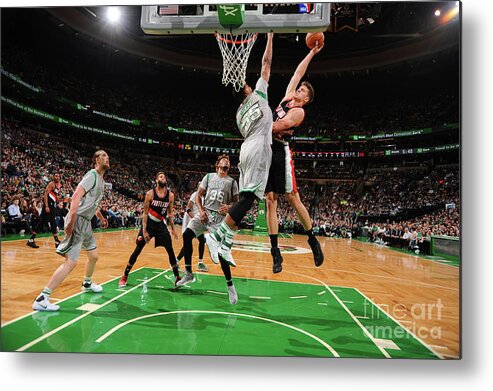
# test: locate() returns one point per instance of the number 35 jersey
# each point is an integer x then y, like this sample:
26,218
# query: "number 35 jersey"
218,191
254,119
254,116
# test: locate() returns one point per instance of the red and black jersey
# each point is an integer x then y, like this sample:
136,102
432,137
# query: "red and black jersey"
158,209
282,110
54,196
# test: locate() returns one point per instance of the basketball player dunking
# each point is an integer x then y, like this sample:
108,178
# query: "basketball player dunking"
254,121
158,207
287,118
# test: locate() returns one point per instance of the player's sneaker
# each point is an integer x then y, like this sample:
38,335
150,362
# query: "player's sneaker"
92,287
233,296
57,242
43,304
318,255
187,278
225,254
277,258
32,244
201,267
177,278
123,282
213,245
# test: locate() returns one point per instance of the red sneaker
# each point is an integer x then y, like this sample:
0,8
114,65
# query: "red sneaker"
123,282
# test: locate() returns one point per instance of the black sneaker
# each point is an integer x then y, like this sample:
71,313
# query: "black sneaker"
318,255
32,244
57,243
277,258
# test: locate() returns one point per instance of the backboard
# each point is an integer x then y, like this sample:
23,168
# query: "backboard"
259,18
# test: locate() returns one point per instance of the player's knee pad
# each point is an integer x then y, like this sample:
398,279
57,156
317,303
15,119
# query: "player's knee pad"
240,209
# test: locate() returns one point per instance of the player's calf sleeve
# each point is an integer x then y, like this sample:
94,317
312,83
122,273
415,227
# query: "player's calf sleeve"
226,271
188,236
172,259
241,208
133,259
201,246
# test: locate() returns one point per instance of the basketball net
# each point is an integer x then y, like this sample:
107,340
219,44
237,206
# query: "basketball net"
235,50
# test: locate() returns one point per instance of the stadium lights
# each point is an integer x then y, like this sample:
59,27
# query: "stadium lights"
113,14
437,13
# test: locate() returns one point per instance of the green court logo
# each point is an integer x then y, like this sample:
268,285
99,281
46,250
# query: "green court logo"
263,247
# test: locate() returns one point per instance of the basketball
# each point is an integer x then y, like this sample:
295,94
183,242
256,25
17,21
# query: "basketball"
312,38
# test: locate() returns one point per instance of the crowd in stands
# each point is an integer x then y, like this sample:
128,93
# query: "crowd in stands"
415,235
337,207
145,102
368,117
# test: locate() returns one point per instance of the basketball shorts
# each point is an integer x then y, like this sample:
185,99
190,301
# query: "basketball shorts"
281,174
214,220
186,220
255,160
82,238
156,230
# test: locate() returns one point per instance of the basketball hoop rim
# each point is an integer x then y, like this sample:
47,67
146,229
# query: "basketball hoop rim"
236,41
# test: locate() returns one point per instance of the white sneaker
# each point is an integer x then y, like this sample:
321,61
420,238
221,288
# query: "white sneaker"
201,267
93,287
187,278
233,296
44,305
225,253
213,246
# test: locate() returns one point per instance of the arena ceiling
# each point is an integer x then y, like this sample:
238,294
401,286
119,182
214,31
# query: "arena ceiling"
388,34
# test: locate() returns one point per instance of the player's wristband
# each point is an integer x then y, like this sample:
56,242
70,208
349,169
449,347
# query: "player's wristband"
189,210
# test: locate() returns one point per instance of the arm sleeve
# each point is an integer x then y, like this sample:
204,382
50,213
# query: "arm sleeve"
89,180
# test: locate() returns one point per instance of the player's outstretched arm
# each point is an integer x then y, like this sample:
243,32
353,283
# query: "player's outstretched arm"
300,71
267,58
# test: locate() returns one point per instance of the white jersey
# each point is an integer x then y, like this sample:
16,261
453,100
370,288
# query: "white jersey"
254,120
93,185
254,116
218,191
195,210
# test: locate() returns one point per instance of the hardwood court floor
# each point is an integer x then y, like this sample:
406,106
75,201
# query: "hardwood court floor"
422,295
